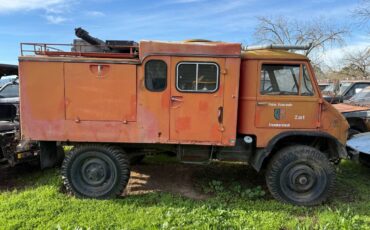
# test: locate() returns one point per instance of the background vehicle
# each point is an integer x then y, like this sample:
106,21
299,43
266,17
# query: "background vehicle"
347,90
324,85
357,112
359,145
13,150
199,99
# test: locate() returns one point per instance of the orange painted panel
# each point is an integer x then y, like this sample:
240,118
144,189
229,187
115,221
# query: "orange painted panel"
41,97
287,113
194,115
231,94
100,92
153,107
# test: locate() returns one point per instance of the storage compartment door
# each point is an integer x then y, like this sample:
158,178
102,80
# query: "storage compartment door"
100,92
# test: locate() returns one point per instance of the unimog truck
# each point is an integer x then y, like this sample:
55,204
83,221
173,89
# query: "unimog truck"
116,101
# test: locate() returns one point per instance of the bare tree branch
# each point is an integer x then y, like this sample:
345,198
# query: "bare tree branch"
357,64
362,12
319,32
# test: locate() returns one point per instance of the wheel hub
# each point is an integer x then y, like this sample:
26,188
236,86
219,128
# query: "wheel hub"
301,178
94,171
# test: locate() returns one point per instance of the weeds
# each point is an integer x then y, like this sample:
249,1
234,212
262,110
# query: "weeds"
234,191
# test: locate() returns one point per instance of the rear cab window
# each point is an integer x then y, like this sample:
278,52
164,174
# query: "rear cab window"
156,75
285,79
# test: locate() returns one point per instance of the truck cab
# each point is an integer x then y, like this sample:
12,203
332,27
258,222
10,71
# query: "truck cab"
199,99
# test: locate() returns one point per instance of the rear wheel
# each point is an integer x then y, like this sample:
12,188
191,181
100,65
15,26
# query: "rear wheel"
96,171
300,175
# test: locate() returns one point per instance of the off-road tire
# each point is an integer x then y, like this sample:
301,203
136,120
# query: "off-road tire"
300,175
96,171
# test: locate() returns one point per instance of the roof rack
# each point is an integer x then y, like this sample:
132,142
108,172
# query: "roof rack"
278,46
48,49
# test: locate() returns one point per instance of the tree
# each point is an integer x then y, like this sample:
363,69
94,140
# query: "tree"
363,11
357,64
319,32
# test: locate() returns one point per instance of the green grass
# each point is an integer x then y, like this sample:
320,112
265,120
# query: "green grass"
238,201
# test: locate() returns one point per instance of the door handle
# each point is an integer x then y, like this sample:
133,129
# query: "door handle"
220,114
176,98
262,103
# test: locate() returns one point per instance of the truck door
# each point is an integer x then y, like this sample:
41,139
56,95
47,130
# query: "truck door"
286,98
196,100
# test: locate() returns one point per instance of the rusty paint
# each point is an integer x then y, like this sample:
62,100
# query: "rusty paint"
113,105
345,108
203,106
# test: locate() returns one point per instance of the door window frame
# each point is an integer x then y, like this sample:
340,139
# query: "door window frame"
197,91
300,63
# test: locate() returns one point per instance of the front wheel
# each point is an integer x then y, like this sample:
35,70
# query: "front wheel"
300,175
96,171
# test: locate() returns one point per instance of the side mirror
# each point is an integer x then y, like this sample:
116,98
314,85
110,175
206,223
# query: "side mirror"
8,112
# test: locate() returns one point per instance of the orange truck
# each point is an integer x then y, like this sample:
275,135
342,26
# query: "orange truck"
116,101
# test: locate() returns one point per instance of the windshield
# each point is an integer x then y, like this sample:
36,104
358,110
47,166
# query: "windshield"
7,79
10,90
361,96
343,87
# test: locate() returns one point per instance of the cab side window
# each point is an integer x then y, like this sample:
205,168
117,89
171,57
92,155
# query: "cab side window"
277,79
156,75
306,84
283,79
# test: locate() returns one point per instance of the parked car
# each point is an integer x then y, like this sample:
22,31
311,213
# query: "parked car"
357,112
323,86
9,93
13,150
347,89
7,79
359,145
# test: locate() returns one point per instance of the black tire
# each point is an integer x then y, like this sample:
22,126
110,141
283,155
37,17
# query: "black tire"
300,175
136,159
96,171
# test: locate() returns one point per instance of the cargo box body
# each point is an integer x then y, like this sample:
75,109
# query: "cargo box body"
80,99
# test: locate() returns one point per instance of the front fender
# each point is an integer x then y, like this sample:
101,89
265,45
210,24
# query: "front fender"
260,155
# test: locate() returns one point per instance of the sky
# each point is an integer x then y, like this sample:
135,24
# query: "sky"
53,21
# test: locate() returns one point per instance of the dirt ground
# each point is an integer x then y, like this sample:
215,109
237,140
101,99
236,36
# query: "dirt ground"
173,178
147,177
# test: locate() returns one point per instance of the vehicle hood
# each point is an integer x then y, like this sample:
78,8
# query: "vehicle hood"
346,108
360,143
